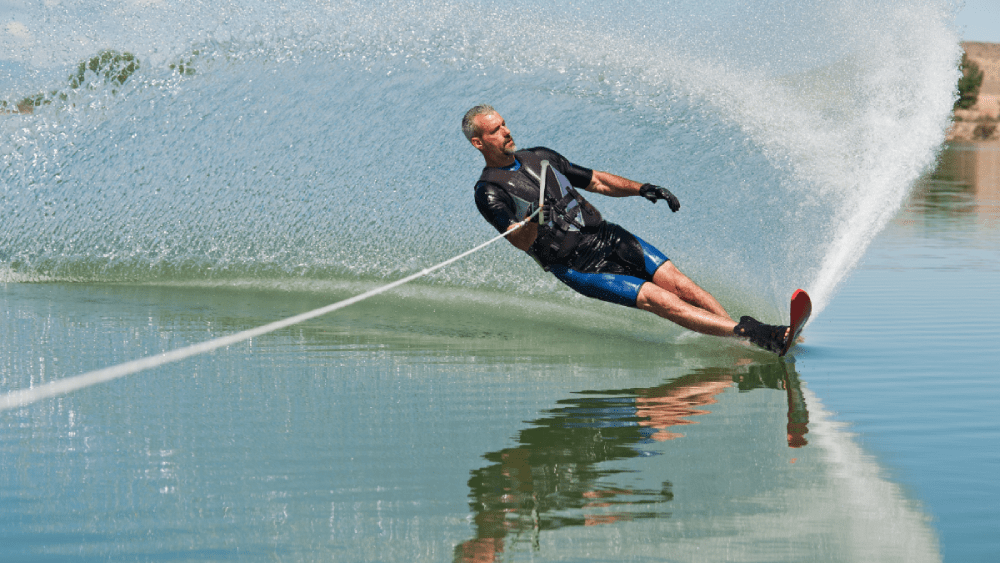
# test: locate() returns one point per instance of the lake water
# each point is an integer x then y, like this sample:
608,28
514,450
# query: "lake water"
415,427
311,152
907,352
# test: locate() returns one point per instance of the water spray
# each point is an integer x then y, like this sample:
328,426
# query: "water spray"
24,397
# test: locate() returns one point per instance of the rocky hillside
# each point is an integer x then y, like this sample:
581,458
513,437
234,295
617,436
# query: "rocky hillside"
980,122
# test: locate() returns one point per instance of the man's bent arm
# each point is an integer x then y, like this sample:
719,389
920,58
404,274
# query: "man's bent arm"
613,186
523,237
497,208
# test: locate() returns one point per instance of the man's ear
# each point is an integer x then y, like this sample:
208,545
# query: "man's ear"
477,142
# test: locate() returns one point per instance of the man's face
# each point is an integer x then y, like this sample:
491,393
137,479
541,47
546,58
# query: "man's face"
495,139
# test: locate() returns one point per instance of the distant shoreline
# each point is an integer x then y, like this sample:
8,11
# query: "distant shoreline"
980,122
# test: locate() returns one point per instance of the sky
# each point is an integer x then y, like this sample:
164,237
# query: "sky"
979,20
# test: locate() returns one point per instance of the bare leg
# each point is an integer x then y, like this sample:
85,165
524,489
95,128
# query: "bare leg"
673,296
659,301
668,277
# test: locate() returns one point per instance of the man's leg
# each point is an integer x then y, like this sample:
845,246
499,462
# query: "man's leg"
673,296
668,277
633,291
648,296
672,307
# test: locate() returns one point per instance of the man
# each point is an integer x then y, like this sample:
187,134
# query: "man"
596,258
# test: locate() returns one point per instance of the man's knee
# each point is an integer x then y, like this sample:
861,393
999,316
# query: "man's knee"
653,297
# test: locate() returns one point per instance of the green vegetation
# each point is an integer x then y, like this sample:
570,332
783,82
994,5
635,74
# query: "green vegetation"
184,67
968,85
110,65
106,67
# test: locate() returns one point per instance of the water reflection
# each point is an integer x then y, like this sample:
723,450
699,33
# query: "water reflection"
966,180
558,476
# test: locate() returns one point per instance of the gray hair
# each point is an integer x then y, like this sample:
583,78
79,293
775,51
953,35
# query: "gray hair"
469,126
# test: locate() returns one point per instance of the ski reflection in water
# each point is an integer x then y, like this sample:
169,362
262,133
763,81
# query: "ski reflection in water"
553,478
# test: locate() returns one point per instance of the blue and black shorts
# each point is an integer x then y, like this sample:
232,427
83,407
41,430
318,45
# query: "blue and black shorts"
610,265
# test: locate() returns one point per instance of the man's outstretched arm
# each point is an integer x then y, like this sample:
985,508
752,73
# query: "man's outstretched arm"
615,186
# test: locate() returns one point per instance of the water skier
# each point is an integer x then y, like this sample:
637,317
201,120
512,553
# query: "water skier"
594,257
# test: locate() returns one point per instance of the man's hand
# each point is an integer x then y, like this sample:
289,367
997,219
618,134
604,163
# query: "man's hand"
653,193
543,215
524,235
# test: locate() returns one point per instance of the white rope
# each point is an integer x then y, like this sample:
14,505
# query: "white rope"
23,397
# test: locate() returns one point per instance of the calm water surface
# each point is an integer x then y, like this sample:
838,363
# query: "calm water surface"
310,150
435,424
909,349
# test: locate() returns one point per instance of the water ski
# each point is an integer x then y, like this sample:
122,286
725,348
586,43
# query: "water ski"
801,309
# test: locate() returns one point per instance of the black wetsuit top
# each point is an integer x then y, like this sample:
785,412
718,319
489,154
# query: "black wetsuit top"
502,208
498,207
620,261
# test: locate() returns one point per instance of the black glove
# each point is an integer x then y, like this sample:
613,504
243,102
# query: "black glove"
653,193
